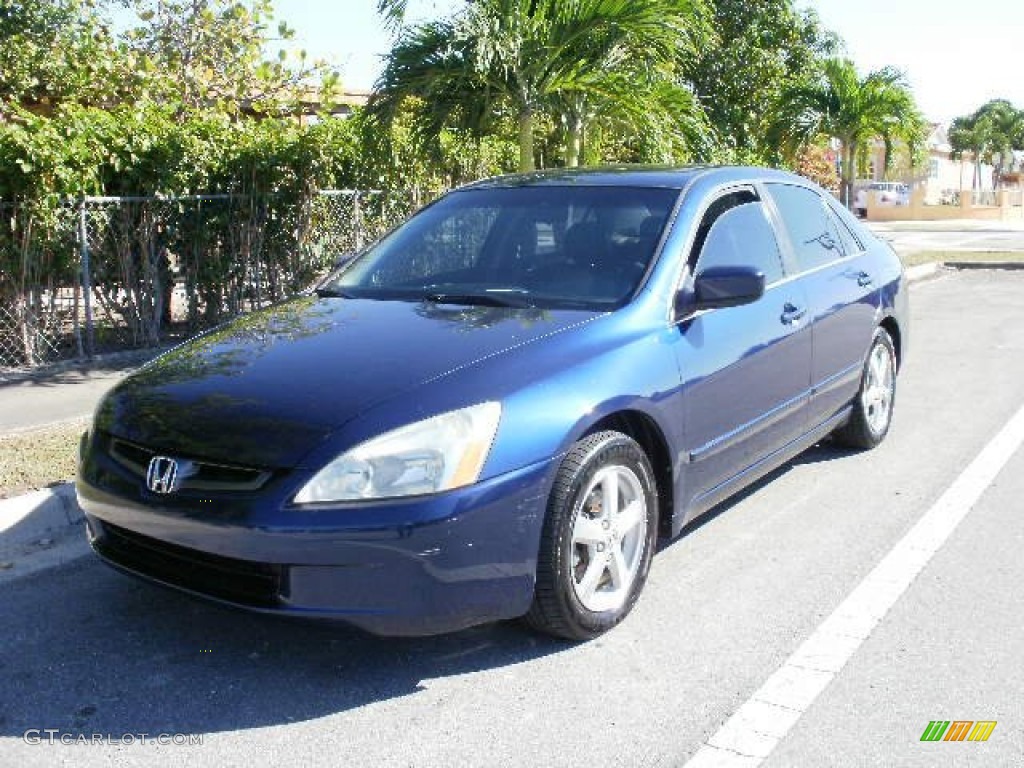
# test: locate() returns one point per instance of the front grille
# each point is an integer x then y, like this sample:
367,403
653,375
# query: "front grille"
208,476
238,581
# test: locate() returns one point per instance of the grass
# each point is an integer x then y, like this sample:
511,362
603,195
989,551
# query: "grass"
39,458
927,257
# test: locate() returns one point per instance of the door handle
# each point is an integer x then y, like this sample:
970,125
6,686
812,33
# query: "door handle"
792,314
864,279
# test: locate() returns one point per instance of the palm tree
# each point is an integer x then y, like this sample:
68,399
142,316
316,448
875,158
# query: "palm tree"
653,112
392,11
629,78
990,135
1007,131
428,73
840,104
968,135
1004,125
518,58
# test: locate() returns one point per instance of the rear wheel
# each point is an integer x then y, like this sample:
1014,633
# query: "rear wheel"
598,538
872,408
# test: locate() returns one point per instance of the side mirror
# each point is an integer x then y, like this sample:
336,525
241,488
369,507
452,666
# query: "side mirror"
727,287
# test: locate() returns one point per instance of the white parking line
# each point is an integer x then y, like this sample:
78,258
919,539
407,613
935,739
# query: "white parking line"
757,727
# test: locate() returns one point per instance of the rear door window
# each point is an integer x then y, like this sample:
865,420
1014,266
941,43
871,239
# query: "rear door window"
811,230
851,243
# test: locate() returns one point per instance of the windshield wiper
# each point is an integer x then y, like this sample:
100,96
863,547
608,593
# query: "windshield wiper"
484,298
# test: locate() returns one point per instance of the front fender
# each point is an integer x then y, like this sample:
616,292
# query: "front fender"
552,392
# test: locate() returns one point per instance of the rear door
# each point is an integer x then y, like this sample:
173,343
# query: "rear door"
842,294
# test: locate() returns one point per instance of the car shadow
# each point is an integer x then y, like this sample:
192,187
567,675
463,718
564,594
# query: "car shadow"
88,650
826,450
76,372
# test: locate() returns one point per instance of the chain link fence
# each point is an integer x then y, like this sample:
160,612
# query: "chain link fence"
105,274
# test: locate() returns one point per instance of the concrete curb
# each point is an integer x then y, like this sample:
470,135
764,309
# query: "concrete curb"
1011,265
946,225
39,531
37,515
933,269
922,271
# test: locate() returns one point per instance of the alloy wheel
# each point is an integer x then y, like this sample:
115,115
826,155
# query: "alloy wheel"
878,390
608,537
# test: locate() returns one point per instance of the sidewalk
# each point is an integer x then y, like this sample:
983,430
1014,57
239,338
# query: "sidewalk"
949,225
62,392
45,528
40,530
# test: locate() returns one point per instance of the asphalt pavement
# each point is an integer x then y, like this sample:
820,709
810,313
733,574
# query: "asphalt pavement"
86,651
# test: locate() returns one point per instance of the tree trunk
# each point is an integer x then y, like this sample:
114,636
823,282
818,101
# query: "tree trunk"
23,296
526,139
573,140
26,329
849,175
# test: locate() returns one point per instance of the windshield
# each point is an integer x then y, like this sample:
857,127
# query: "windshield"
541,246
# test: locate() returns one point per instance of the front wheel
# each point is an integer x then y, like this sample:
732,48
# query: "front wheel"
598,538
872,408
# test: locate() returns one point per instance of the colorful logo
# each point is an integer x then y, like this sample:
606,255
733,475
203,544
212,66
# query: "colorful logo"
958,730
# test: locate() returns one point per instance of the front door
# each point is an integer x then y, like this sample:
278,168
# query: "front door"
746,369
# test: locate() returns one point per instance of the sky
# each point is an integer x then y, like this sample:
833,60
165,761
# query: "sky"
956,55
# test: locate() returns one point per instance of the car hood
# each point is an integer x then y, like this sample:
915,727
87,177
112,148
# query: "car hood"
265,389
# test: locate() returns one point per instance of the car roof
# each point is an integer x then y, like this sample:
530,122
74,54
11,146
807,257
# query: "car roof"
668,177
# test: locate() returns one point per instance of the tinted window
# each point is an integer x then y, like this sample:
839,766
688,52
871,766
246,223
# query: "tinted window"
742,237
811,230
851,243
542,245
719,206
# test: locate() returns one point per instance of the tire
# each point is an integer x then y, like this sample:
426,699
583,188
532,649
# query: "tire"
873,406
594,557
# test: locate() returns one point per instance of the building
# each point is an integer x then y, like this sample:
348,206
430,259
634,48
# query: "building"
310,108
942,177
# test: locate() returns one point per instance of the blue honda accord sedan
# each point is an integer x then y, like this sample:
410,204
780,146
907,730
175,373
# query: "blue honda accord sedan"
497,408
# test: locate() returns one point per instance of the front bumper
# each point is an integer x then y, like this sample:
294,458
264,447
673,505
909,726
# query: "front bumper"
402,567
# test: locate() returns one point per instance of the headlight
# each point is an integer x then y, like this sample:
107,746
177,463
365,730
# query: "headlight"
437,454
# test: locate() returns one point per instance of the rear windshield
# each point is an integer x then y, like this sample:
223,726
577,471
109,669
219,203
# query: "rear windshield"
544,246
